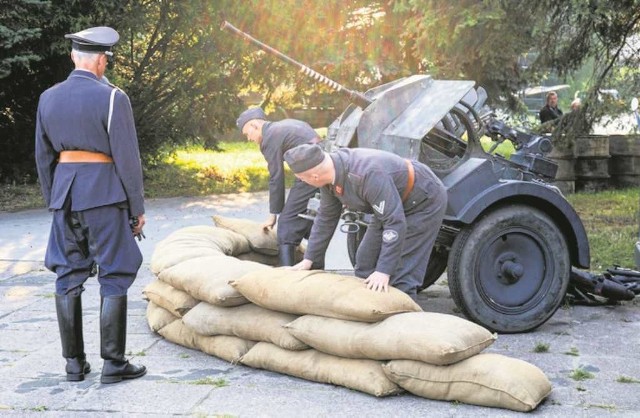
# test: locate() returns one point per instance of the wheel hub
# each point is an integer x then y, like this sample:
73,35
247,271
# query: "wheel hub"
509,269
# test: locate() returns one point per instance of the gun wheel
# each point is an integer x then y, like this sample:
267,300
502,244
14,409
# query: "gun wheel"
509,271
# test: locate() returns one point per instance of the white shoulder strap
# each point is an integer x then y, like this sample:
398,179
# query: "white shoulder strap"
111,99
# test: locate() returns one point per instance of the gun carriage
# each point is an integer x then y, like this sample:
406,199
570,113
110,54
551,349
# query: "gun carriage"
509,238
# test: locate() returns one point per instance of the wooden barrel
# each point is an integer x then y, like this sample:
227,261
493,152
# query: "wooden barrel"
624,166
563,154
592,163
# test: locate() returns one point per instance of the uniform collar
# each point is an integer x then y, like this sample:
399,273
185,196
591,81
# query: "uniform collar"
338,184
83,73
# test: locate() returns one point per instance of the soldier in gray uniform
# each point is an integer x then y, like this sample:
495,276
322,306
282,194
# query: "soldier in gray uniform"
406,198
274,139
91,177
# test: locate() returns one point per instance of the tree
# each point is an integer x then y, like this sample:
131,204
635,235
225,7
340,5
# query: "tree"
485,40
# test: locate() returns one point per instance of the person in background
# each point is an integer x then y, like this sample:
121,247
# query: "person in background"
407,200
91,178
274,139
550,111
576,104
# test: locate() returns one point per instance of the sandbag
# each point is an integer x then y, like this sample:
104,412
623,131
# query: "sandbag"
176,301
485,379
424,336
260,241
225,347
178,333
320,293
158,317
250,322
269,260
363,375
206,278
196,241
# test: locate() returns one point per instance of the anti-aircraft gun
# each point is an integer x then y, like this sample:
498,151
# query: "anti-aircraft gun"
509,238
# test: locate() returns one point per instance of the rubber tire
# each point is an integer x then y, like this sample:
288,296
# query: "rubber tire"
527,227
437,265
437,261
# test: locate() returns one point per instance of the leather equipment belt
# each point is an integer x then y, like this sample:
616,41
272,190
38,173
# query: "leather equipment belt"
411,178
77,156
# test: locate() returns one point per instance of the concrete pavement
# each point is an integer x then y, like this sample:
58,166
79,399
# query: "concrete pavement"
604,341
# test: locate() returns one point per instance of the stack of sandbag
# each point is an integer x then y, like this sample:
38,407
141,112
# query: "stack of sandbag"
325,327
263,244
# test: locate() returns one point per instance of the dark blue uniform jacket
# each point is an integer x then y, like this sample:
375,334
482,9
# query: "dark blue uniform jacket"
81,114
278,138
370,181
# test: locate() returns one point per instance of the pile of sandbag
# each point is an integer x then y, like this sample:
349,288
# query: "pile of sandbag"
321,326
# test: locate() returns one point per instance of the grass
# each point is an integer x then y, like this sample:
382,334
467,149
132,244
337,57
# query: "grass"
194,171
611,221
572,352
219,383
541,348
581,374
610,217
627,379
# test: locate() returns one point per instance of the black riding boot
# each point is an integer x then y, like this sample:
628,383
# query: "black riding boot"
113,336
69,310
287,254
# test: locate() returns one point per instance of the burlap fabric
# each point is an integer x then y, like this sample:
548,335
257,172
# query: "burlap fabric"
484,379
250,322
197,261
158,317
363,375
260,241
320,293
263,244
424,336
175,301
193,242
225,347
207,278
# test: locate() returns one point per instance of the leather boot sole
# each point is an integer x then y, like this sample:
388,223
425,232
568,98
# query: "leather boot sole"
79,377
120,378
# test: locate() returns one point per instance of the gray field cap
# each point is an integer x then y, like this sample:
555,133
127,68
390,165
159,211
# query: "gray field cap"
250,114
304,157
98,39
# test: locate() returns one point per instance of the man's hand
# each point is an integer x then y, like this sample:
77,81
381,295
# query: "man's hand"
377,282
303,265
270,222
137,226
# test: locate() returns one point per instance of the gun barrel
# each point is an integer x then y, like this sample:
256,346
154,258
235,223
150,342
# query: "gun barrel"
356,97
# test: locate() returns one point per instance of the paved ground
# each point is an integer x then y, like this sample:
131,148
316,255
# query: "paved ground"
603,341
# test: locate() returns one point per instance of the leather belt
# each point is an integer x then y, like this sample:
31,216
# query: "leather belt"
411,178
77,156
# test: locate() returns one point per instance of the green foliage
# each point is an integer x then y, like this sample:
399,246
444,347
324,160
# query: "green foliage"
541,348
580,374
18,32
185,76
573,352
219,383
195,171
36,56
627,379
174,63
611,222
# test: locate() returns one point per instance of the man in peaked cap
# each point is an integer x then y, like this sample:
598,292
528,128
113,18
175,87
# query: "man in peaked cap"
274,139
91,178
407,201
